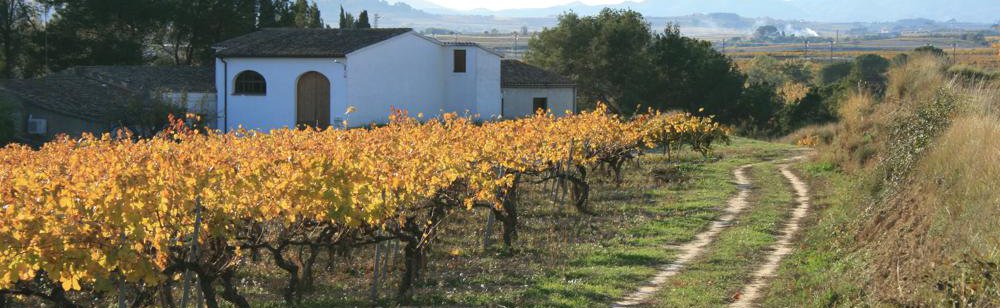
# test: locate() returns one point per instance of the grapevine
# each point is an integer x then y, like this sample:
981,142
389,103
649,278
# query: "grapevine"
99,212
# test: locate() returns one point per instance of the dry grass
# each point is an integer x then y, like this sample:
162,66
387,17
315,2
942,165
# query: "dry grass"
931,148
812,136
936,238
853,146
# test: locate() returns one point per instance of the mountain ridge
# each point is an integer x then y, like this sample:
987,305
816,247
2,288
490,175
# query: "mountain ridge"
424,14
814,10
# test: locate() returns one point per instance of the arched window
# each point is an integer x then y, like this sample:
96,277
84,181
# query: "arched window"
250,82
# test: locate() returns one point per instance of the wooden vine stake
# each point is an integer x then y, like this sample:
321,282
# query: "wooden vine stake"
490,216
121,282
376,267
194,251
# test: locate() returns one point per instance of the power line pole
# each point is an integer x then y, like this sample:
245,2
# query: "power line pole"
377,17
513,52
805,49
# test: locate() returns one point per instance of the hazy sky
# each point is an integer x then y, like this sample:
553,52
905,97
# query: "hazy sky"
512,4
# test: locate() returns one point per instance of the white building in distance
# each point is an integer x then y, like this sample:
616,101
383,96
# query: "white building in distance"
277,78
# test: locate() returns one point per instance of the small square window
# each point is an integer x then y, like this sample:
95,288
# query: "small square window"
460,60
540,103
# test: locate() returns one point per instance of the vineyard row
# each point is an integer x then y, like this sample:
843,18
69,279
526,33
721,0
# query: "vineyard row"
103,216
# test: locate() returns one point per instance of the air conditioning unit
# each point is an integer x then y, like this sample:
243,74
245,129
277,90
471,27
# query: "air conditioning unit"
37,126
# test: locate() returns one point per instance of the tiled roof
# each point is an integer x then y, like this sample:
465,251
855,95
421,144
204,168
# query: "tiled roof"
153,78
514,73
304,43
460,44
68,94
91,92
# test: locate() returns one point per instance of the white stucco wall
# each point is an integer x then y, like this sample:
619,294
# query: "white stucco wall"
197,102
276,109
460,88
408,72
405,72
517,102
488,93
477,91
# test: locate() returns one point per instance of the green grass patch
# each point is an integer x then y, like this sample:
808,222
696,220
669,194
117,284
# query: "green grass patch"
715,278
819,272
562,258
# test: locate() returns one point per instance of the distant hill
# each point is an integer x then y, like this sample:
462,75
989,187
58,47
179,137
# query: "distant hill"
741,16
982,11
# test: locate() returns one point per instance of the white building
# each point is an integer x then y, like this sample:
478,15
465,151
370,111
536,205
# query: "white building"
278,78
528,88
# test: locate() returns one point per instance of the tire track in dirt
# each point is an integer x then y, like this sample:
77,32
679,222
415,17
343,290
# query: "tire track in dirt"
695,248
782,247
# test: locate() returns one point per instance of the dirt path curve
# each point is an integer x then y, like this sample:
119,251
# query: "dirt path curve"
782,247
691,250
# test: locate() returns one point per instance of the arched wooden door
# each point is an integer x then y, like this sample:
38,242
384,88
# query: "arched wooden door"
312,106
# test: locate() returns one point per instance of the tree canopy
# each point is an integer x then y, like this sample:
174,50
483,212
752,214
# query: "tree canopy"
17,21
348,21
616,58
130,32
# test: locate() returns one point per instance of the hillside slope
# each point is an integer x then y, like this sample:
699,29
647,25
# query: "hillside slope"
919,227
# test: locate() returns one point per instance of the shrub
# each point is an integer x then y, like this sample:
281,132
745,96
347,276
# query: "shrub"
973,74
930,50
868,73
8,122
834,72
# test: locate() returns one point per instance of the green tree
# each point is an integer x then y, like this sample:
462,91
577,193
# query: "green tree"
95,32
362,22
765,70
691,75
343,18
315,18
818,106
834,72
605,54
346,19
188,29
757,109
868,73
275,13
16,26
303,14
797,71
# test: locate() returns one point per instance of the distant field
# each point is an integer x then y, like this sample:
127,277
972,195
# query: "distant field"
980,57
965,52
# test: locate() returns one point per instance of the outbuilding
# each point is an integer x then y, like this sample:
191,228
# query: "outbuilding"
527,88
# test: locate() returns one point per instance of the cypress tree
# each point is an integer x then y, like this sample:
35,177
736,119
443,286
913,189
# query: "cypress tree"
301,9
343,18
315,20
266,14
363,21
